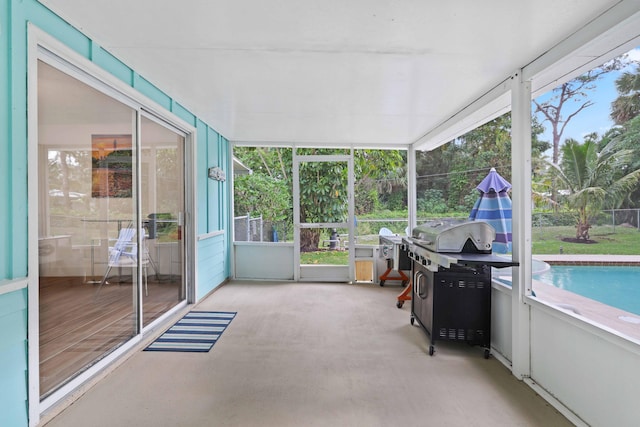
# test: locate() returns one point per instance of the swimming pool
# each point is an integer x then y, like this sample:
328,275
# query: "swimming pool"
616,286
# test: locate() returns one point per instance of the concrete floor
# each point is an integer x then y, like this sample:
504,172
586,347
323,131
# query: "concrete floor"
312,355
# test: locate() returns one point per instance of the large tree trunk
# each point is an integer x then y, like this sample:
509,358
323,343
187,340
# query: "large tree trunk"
309,240
583,226
582,230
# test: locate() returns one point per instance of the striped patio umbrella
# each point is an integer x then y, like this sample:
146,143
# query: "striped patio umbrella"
494,207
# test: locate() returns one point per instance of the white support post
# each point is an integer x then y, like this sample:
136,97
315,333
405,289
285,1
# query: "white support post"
351,216
296,214
248,227
412,188
521,192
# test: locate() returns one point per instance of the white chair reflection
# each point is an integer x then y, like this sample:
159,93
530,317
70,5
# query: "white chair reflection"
124,254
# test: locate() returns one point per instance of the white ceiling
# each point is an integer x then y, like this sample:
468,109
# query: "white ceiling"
361,72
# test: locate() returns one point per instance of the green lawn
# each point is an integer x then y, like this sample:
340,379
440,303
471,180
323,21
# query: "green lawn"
325,257
609,241
546,240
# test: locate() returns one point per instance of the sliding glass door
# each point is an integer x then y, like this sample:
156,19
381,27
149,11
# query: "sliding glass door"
162,205
87,200
110,211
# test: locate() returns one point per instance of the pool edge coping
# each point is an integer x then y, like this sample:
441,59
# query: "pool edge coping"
596,260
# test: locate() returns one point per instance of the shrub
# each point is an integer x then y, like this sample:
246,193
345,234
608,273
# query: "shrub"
432,201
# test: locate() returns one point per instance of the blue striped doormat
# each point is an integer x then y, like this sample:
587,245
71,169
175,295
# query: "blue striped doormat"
196,332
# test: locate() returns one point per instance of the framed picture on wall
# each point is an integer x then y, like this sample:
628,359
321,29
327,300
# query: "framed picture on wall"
111,166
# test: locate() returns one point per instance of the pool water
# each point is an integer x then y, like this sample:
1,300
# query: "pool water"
615,286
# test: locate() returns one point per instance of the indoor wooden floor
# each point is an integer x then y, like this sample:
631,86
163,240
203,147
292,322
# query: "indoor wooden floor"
80,323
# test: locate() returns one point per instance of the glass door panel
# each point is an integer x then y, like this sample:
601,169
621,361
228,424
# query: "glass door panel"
88,237
162,206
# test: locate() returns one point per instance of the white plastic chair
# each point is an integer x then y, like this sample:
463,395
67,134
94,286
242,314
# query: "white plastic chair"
384,231
124,254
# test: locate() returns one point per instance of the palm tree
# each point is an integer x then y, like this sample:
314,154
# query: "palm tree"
594,179
627,105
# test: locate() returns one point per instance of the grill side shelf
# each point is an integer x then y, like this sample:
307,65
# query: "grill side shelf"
482,259
432,260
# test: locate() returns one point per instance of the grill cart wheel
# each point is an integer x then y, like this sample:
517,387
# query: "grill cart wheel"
399,304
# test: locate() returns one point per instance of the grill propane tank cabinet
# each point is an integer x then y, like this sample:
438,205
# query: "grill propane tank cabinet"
451,275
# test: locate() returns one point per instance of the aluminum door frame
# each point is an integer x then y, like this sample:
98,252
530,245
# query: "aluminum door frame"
350,224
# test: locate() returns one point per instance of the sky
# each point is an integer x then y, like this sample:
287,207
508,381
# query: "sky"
596,117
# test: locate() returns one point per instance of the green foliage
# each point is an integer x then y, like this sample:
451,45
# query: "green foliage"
384,214
371,227
432,201
379,175
385,168
459,188
469,200
594,179
367,201
627,137
262,195
627,105
275,162
456,168
394,201
377,172
323,191
554,219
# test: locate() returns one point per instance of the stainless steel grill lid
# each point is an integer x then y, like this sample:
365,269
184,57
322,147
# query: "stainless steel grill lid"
455,236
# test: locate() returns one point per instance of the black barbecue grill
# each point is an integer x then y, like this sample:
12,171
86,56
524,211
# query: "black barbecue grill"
451,274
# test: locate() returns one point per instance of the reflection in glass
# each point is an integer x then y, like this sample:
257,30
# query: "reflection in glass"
86,202
162,201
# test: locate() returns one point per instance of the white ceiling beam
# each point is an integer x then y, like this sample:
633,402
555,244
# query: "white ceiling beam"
337,145
489,106
612,33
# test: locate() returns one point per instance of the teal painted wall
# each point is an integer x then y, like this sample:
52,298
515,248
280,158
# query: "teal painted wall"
212,203
13,359
5,137
13,221
214,253
203,182
214,187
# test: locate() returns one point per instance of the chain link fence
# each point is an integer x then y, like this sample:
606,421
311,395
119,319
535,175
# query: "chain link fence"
258,229
610,217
